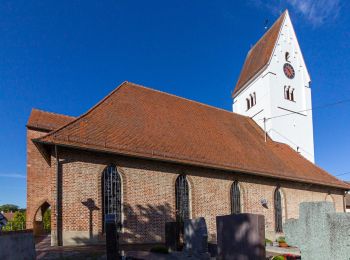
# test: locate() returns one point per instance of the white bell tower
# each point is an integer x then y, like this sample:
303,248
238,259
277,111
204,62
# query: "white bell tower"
274,88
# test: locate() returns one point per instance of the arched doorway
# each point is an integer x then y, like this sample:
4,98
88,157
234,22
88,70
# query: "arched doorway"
42,220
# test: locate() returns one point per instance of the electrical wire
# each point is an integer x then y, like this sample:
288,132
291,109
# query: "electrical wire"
305,110
344,173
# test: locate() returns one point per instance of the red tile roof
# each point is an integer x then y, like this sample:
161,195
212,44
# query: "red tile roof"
138,121
259,55
47,121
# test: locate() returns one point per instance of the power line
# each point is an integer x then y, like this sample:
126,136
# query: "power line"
344,173
305,110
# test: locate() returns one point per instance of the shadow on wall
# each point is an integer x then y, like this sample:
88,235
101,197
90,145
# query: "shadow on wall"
90,204
141,223
146,223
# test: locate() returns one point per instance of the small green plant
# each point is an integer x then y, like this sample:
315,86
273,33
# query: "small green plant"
159,249
278,257
47,220
281,240
268,242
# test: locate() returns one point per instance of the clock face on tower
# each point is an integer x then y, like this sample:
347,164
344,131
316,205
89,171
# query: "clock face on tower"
288,70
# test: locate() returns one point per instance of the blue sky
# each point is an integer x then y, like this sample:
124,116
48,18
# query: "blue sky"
64,56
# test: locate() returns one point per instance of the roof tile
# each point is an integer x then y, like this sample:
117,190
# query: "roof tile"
47,121
138,121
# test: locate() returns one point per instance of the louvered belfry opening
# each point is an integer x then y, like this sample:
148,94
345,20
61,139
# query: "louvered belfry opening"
182,199
112,194
235,198
278,210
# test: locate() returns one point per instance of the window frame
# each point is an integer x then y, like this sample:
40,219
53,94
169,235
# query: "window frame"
236,198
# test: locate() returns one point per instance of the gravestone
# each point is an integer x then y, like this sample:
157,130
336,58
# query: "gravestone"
196,238
320,232
173,232
241,236
112,243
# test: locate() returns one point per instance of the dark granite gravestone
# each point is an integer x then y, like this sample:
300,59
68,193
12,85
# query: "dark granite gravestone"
173,233
112,243
196,238
241,236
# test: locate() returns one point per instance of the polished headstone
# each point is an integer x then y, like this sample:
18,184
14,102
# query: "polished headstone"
241,237
173,233
196,237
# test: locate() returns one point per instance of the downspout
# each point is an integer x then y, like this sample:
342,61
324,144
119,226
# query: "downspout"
58,237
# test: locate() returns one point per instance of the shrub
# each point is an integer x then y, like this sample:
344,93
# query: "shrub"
278,257
268,241
47,220
18,222
281,240
159,249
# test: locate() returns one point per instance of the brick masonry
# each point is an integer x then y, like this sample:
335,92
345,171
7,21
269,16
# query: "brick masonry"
38,178
148,194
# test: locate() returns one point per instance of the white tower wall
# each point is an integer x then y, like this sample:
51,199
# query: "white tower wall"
295,129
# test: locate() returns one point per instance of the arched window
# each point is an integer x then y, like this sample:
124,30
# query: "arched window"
248,103
252,100
292,94
287,56
182,198
235,198
112,193
278,210
287,94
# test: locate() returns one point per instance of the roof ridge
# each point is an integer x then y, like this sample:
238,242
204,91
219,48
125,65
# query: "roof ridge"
187,99
248,74
52,113
87,112
262,37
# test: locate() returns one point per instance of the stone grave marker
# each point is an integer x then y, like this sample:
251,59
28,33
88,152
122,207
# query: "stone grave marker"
196,238
241,237
320,232
173,232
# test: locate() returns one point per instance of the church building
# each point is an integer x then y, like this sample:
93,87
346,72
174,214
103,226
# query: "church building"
151,157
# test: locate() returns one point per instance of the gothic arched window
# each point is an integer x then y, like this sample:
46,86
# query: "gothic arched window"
112,193
248,103
235,198
286,92
278,210
182,198
292,94
252,100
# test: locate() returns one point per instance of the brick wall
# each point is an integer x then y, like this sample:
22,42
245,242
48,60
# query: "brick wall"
149,196
38,178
